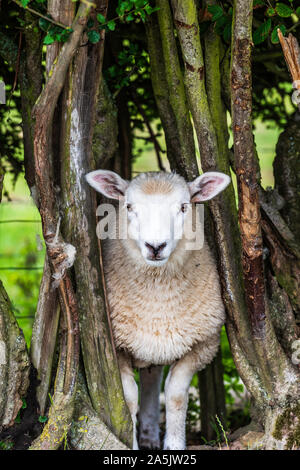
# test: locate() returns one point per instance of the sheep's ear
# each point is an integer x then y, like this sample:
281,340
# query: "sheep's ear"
208,185
108,183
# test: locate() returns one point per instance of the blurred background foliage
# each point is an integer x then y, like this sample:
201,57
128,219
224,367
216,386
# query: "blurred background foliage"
127,75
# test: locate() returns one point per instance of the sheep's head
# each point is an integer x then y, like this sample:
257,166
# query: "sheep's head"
156,206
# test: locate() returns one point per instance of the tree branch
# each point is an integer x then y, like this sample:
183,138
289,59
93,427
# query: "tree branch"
291,51
78,114
208,117
35,12
61,255
249,211
272,360
169,92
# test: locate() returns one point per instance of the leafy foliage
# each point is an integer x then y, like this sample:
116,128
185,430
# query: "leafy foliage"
262,32
127,11
6,445
222,20
11,154
54,32
268,17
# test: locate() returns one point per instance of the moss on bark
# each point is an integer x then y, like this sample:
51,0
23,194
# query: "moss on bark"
286,427
170,93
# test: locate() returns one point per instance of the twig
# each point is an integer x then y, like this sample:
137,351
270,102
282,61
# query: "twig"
293,27
35,12
132,71
291,52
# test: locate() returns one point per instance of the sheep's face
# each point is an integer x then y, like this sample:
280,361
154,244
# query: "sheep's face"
156,220
157,206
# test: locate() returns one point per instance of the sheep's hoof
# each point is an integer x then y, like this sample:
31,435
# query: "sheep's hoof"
146,443
174,445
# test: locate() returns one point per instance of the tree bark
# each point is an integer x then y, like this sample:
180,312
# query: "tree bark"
60,254
44,336
276,404
14,363
105,135
212,398
169,92
79,227
249,213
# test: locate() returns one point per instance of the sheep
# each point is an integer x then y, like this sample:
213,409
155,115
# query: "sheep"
165,300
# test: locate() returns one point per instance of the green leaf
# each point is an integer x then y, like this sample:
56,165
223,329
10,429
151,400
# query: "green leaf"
298,12
216,11
94,36
101,18
139,3
111,25
258,3
123,6
153,9
262,32
274,35
283,10
49,39
44,24
270,12
25,3
64,36
42,419
148,9
142,15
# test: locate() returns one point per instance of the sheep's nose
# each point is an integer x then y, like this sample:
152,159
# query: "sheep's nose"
156,249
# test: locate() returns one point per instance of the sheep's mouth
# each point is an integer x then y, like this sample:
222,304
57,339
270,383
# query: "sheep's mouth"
156,261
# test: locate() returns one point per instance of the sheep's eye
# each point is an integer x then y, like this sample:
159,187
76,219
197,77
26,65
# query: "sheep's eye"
129,207
183,208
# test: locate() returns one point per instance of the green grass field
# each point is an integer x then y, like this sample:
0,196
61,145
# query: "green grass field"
20,245
19,249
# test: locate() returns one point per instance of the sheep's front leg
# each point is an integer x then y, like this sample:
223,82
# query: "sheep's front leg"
131,393
177,389
176,394
150,380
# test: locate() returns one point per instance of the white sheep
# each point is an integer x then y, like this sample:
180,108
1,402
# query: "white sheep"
164,298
